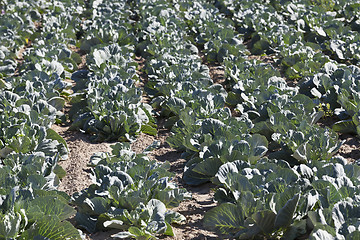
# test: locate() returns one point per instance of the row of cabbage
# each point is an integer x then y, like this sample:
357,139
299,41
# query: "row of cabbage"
299,32
108,101
315,42
30,102
270,111
130,192
330,83
37,43
271,115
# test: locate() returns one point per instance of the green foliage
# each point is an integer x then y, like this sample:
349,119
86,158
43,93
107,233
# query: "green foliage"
271,199
110,106
130,193
223,128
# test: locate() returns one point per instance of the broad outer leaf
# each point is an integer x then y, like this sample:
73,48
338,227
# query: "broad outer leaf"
84,221
118,224
140,234
296,230
56,230
261,222
345,126
10,225
354,235
264,220
193,178
169,231
59,171
49,206
50,227
301,154
157,211
51,134
225,218
321,235
209,167
285,215
5,151
57,102
227,168
148,129
94,206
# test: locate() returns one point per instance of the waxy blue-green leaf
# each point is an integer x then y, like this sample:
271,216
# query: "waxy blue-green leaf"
86,222
10,225
321,234
226,218
345,126
50,227
330,195
208,167
285,215
230,167
49,206
264,220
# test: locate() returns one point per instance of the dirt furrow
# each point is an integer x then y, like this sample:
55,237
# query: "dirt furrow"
80,151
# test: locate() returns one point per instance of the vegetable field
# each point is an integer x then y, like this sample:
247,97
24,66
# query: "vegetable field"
169,119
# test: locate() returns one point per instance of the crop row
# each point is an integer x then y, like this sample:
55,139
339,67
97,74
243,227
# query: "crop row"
253,135
37,62
270,112
30,102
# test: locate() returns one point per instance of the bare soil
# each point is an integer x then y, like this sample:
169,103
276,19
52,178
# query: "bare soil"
270,59
143,77
83,54
216,70
80,151
350,148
